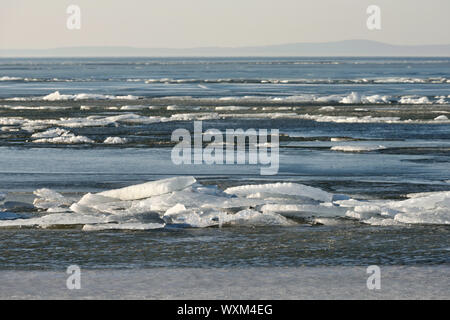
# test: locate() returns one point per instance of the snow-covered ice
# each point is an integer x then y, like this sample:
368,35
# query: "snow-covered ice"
58,135
115,140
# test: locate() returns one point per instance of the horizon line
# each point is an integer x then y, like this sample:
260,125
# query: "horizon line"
226,47
341,48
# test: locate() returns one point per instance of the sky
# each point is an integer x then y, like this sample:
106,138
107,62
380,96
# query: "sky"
31,24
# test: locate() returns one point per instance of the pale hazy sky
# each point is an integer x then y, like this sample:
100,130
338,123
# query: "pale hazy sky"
39,24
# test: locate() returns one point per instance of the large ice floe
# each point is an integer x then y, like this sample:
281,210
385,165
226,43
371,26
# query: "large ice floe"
184,202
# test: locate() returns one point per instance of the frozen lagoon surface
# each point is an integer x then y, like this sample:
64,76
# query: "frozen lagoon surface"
86,175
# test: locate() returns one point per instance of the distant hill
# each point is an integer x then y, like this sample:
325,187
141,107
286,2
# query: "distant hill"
338,48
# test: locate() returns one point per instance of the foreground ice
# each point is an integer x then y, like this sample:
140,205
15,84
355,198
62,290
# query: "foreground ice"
183,202
427,208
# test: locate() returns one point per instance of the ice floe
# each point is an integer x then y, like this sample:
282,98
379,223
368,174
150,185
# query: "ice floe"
47,198
115,140
51,133
57,96
359,148
184,202
414,100
123,226
344,98
32,125
231,108
59,136
277,189
11,124
50,108
429,208
133,107
441,118
193,116
149,189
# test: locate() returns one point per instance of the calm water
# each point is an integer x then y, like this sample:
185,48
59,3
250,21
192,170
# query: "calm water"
393,111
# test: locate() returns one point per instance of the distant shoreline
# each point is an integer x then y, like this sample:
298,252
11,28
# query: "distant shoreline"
347,48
